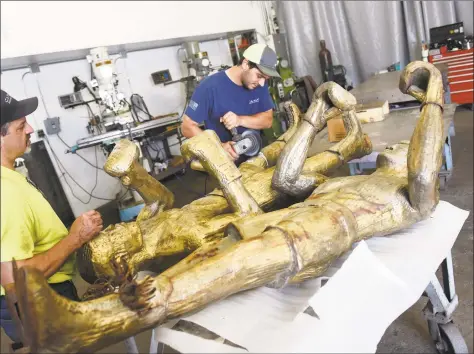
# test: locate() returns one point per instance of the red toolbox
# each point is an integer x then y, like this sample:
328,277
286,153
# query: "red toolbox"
460,73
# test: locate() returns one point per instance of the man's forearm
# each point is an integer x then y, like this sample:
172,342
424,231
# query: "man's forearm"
191,131
257,121
190,128
48,262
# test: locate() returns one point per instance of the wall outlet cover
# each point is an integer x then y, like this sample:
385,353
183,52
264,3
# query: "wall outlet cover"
52,125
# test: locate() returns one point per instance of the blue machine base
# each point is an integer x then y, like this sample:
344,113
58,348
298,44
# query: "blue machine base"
131,213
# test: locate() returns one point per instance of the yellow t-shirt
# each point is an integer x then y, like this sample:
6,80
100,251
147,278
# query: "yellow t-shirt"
29,224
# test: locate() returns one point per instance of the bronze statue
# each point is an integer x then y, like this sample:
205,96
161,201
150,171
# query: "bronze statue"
274,249
161,231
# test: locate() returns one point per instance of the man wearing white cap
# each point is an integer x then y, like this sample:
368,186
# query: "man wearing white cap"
235,98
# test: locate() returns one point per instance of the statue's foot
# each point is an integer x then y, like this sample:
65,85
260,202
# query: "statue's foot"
55,324
121,159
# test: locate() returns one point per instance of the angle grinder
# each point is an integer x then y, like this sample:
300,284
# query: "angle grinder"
249,143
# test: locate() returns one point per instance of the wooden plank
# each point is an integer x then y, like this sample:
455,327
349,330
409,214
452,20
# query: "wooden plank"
397,126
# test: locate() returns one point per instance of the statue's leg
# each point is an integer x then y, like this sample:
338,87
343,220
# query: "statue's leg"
122,163
310,239
206,148
268,156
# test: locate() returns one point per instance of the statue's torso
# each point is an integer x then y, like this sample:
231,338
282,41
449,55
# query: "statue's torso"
378,202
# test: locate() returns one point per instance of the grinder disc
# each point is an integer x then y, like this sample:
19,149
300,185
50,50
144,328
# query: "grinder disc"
256,145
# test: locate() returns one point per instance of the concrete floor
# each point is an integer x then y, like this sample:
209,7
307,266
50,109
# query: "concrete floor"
409,333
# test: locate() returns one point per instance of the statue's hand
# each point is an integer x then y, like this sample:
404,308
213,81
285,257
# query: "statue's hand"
136,295
415,79
336,96
328,101
121,270
147,294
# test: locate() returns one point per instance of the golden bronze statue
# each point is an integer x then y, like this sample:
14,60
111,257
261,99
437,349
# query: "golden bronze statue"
161,231
274,249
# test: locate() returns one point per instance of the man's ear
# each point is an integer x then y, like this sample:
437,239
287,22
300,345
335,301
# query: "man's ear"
245,64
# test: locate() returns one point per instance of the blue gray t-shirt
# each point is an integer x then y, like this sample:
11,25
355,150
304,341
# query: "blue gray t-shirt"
217,94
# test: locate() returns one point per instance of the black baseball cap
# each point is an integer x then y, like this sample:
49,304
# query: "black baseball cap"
13,109
265,58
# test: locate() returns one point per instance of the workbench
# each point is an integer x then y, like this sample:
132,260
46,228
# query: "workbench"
398,125
385,87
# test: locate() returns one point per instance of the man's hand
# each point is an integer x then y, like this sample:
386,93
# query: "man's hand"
230,120
86,226
230,150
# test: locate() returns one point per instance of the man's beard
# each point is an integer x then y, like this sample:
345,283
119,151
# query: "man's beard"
246,86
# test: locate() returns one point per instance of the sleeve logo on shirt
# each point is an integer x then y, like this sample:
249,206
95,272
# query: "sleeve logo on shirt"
254,101
193,105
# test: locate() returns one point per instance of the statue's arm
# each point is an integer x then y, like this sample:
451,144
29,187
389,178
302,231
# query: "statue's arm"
268,156
423,81
291,175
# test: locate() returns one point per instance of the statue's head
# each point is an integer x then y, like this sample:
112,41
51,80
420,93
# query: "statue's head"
394,156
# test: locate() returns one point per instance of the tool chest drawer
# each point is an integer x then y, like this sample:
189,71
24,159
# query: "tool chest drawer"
460,73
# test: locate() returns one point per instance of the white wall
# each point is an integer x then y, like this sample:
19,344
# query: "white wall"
39,27
36,27
55,80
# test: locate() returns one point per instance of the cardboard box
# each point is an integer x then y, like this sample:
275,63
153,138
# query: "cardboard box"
366,113
336,130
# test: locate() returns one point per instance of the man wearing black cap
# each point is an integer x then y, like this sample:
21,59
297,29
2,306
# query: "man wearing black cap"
235,98
31,232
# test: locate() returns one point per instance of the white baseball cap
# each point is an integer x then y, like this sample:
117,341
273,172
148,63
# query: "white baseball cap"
265,58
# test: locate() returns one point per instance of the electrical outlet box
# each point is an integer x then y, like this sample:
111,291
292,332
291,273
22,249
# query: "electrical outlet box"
52,125
160,77
40,133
